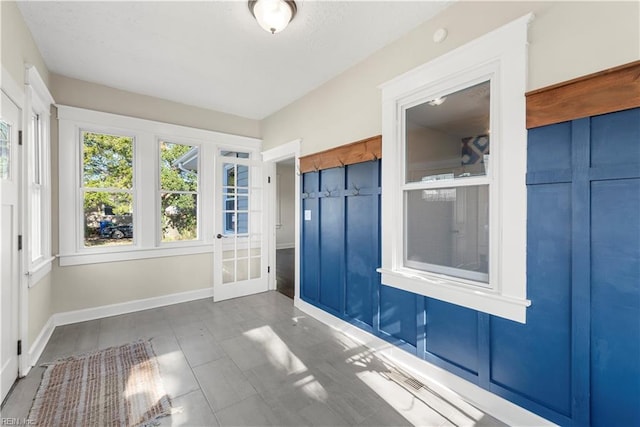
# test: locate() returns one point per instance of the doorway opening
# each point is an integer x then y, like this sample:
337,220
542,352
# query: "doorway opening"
285,227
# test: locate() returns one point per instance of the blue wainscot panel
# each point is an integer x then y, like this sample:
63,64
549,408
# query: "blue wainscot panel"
310,245
533,360
615,303
451,335
361,223
615,139
332,240
549,148
361,244
398,314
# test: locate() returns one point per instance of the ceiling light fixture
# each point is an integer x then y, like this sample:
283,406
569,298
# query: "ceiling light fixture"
273,15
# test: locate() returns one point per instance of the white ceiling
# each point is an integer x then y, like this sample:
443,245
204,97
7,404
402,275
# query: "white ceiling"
213,54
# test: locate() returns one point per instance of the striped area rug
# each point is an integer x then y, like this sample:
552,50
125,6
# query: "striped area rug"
119,386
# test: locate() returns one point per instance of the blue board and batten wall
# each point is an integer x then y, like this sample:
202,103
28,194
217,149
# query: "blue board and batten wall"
577,359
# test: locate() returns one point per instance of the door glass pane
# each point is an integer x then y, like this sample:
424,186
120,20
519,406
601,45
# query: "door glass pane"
447,231
242,223
243,203
255,268
448,137
242,272
229,271
243,176
108,218
5,150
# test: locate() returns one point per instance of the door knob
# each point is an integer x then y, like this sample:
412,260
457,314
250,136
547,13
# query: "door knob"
220,236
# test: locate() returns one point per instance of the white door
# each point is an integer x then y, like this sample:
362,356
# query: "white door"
9,286
240,256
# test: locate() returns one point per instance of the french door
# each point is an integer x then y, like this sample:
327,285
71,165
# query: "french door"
9,223
240,254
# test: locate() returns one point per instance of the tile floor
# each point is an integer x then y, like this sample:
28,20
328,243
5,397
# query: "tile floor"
256,361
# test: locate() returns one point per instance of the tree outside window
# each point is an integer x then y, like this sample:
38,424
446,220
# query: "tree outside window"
107,186
178,191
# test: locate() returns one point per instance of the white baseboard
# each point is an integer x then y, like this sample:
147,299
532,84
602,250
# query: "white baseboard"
285,245
100,312
39,344
68,317
430,374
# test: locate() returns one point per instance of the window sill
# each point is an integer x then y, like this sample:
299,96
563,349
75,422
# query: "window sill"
38,271
480,299
132,254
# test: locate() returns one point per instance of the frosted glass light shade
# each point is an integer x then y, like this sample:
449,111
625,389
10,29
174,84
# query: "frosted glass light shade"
273,15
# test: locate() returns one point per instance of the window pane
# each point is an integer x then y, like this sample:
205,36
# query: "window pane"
178,167
5,150
242,223
36,223
236,154
448,137
447,231
107,161
108,218
243,176
35,129
179,215
243,203
179,212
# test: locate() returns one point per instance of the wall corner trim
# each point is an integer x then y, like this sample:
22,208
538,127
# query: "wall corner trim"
607,91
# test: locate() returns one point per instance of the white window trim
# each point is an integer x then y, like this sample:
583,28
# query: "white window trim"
38,100
147,134
502,55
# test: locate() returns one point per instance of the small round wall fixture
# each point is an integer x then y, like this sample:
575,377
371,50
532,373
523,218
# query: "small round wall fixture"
273,15
439,35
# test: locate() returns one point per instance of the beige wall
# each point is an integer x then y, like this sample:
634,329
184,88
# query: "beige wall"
78,93
94,285
567,40
40,309
17,45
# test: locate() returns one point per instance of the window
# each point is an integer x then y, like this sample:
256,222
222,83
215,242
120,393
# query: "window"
5,150
37,189
454,149
179,164
135,189
107,189
447,143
